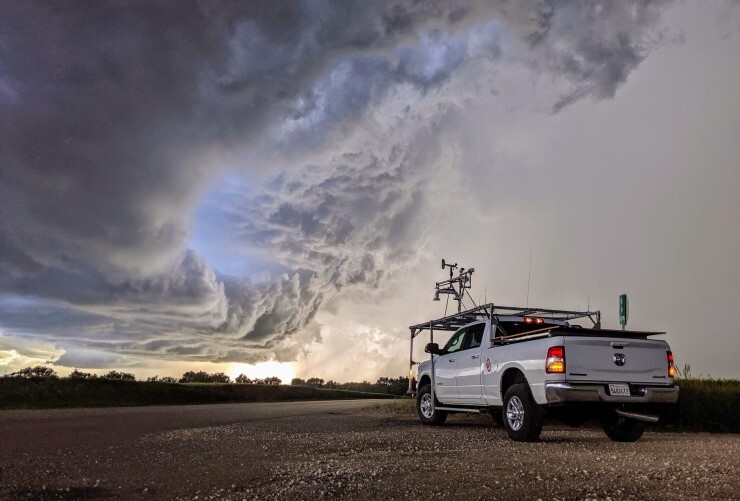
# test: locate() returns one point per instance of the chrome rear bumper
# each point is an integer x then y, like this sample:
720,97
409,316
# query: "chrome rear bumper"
560,392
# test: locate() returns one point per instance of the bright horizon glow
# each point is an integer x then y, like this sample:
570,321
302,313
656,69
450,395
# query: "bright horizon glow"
284,370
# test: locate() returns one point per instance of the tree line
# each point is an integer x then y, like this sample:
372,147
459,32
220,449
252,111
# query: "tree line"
47,372
388,385
41,371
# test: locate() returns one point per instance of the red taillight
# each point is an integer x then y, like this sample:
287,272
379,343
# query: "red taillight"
671,368
555,363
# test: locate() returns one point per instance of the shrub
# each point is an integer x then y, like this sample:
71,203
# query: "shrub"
163,379
124,376
75,374
204,377
38,371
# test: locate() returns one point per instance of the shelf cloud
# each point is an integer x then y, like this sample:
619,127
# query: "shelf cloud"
329,119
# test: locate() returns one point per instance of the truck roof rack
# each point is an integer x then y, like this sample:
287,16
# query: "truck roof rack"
492,311
457,287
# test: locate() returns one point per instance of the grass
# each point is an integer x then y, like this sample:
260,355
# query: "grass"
49,393
711,405
397,407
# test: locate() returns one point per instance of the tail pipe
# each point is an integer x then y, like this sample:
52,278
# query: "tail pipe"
637,416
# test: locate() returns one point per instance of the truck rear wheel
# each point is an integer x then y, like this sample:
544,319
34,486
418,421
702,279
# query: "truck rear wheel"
621,429
427,408
523,418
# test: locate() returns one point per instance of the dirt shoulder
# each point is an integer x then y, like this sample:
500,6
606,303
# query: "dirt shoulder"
375,453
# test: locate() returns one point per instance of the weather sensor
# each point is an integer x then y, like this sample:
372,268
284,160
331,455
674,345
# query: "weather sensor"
455,285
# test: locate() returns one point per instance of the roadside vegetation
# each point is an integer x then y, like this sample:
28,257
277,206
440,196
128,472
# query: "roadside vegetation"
392,386
711,405
41,388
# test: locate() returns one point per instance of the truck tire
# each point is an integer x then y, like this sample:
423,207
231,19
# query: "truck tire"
621,429
428,413
523,418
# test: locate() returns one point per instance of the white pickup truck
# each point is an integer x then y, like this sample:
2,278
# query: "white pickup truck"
525,364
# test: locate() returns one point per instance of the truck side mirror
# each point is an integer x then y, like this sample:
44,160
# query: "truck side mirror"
433,348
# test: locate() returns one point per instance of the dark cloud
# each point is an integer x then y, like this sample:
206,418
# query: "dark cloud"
116,118
594,46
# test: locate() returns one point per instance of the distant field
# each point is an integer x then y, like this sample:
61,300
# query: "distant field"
48,393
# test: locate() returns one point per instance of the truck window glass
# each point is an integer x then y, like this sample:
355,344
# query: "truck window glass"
475,336
455,342
519,327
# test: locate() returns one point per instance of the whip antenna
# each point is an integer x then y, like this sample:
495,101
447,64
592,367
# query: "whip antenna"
529,274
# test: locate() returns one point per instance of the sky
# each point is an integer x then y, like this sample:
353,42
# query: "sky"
268,187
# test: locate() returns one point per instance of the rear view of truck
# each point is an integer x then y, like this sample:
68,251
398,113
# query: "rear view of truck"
622,376
525,364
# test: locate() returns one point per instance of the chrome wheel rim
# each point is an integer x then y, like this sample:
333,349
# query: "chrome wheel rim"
515,413
426,406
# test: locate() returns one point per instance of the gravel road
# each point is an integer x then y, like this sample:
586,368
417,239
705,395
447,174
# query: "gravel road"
341,449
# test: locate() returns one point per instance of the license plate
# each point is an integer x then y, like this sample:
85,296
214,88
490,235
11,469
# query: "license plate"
619,390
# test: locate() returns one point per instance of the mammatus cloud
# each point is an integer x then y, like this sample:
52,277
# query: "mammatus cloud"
130,113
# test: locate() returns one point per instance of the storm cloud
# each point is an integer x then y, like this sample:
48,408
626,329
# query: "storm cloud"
118,121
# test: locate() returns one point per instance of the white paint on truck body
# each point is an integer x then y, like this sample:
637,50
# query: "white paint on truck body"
473,376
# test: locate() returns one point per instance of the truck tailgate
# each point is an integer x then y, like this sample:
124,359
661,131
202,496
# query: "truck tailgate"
615,360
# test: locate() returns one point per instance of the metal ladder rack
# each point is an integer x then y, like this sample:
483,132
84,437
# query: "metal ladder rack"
490,311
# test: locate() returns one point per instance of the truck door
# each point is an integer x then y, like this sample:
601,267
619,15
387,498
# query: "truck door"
469,368
445,368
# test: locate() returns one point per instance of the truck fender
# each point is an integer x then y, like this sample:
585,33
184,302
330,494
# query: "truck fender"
510,373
